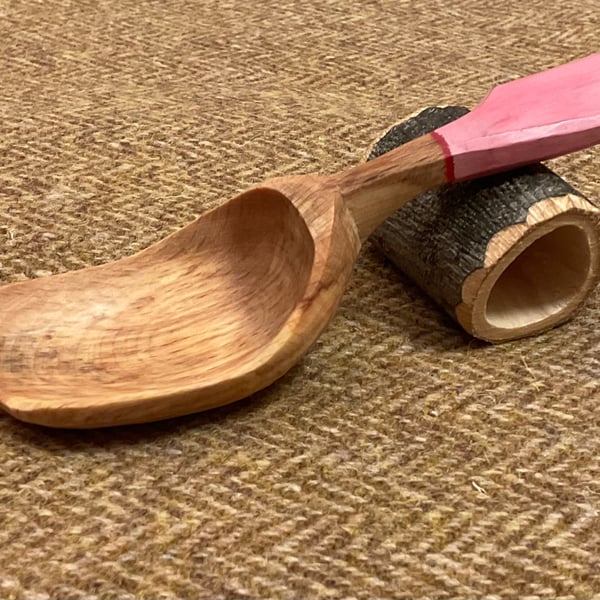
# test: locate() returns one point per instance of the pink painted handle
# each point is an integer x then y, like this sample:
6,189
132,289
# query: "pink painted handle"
527,120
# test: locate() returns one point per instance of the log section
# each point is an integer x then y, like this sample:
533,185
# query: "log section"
508,255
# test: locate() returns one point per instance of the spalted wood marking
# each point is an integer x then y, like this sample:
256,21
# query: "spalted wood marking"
448,240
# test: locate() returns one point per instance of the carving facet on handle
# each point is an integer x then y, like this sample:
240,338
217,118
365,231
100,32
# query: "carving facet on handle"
527,120
210,314
521,122
372,191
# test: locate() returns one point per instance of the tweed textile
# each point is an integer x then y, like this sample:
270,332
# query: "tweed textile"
399,459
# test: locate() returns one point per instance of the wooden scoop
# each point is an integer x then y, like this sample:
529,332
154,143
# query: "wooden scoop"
226,305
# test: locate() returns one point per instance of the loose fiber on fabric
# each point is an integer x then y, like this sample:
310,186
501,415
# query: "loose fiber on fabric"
400,458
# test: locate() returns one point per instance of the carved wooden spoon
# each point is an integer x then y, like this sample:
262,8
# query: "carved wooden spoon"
229,303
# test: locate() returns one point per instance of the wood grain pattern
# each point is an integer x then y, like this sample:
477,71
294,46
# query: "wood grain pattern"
459,242
373,191
536,274
214,312
209,315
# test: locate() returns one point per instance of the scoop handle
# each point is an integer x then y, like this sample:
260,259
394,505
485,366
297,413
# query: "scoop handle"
524,121
527,120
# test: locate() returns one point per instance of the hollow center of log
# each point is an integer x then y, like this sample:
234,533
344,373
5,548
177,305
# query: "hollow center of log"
542,280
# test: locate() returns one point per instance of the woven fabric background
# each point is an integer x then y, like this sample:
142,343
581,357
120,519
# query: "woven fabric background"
400,458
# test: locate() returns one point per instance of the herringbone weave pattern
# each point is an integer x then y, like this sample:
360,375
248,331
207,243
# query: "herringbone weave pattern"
400,459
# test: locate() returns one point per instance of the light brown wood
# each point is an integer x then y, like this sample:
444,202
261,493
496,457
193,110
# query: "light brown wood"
536,274
374,190
223,307
210,314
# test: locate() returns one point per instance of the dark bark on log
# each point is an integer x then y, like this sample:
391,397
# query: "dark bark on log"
442,237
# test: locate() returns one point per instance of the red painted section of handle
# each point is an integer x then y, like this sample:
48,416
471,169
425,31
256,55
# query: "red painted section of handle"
448,160
527,120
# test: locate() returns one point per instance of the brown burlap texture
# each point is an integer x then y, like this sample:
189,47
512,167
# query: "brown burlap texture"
400,459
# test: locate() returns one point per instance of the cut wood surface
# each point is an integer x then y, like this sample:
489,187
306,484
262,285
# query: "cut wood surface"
209,315
507,255
219,309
